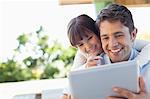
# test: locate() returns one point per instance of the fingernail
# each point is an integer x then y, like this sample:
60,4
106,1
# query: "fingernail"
101,57
108,98
115,89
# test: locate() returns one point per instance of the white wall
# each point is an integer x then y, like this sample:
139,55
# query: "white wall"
25,16
8,90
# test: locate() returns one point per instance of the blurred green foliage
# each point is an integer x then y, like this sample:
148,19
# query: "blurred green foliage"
35,58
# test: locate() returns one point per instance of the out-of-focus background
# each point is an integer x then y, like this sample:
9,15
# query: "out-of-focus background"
34,43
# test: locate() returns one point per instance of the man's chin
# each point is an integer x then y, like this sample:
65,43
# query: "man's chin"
116,59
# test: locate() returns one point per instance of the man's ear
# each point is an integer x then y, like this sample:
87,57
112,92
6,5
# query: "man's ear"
133,34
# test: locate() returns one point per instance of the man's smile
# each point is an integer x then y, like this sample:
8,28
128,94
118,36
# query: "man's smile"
115,51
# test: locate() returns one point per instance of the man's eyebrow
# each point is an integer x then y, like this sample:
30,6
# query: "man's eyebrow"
116,33
103,35
119,32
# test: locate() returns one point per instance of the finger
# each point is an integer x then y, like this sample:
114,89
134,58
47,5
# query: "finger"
91,64
70,97
124,92
142,85
93,61
97,58
94,57
115,97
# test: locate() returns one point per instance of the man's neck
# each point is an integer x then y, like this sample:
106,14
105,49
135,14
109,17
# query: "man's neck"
132,56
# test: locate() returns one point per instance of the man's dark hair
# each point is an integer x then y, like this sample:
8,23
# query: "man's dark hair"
116,12
78,28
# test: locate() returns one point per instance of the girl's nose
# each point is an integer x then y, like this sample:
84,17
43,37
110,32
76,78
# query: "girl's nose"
88,47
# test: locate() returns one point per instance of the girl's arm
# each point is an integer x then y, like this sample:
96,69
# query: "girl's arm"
79,61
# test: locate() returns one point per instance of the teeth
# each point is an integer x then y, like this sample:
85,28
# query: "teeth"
114,51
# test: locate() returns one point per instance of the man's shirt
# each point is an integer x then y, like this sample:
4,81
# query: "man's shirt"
144,66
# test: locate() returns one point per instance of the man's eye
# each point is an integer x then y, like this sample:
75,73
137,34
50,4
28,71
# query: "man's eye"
119,35
105,38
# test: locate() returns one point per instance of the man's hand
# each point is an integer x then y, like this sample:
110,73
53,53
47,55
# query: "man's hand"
66,96
127,94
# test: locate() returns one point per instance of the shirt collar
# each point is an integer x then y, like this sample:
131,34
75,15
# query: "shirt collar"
133,54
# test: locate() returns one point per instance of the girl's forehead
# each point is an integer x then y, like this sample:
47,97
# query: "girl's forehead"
86,35
89,33
78,37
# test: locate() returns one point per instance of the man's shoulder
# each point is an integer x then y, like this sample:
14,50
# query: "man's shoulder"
144,56
134,54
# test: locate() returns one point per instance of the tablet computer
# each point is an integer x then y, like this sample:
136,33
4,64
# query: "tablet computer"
97,82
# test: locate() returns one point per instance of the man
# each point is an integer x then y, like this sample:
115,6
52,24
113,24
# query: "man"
117,33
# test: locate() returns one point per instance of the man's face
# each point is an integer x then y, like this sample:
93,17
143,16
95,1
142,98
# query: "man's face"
116,40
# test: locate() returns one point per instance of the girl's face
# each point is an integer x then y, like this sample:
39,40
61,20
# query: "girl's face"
90,45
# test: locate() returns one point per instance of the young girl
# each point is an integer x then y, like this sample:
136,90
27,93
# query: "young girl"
84,35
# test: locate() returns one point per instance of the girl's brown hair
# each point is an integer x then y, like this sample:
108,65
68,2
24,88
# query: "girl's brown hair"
79,26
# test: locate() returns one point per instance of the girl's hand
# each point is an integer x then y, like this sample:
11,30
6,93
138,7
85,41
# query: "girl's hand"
93,61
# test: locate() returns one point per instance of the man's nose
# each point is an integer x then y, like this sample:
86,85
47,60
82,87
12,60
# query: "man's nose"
113,42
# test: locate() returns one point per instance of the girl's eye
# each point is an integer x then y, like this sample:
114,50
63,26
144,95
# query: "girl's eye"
80,45
90,37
